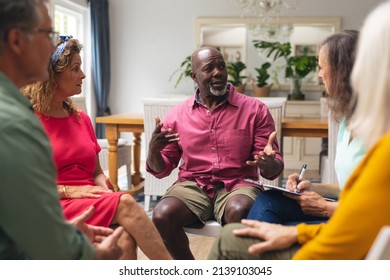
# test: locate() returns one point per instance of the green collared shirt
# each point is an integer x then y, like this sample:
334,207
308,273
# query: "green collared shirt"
31,222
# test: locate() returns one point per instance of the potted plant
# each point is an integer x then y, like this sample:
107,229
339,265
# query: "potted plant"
297,67
234,70
262,88
184,70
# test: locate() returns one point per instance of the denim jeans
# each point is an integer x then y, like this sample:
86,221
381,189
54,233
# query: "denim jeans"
274,207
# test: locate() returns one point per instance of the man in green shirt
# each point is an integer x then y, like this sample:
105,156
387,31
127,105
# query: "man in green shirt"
31,222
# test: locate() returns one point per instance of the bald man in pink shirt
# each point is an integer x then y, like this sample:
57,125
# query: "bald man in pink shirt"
222,137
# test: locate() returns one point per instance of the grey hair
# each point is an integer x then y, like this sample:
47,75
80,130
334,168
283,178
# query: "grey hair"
18,14
370,77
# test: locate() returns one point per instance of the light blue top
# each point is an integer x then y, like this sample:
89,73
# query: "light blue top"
348,154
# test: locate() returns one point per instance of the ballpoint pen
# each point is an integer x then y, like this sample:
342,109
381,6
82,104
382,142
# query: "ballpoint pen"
301,174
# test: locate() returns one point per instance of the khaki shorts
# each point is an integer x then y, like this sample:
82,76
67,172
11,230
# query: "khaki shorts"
201,205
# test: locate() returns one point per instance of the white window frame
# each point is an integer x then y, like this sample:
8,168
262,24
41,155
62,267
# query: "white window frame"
79,21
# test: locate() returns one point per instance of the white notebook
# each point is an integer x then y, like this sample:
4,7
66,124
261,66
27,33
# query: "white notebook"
281,189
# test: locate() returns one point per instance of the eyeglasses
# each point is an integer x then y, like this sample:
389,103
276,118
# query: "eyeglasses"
53,35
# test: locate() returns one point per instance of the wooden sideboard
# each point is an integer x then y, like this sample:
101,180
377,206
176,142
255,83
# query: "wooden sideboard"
306,148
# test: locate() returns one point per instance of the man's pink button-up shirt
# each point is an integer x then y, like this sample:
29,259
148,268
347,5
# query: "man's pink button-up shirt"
215,145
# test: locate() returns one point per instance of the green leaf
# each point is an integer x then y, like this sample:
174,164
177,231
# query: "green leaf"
234,69
295,65
262,74
184,70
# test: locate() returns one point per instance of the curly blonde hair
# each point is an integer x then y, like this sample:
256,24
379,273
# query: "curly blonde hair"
41,93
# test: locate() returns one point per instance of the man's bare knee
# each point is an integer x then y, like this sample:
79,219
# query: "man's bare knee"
237,208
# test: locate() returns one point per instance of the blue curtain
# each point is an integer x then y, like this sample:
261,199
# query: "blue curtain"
100,40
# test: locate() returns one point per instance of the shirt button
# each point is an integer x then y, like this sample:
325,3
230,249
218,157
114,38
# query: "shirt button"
215,163
212,130
213,148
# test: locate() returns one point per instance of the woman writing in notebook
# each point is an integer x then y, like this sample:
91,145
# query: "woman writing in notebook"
336,59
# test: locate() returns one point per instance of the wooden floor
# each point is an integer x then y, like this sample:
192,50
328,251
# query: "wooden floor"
200,247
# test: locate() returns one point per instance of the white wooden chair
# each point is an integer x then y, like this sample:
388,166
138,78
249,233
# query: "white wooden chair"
277,108
276,101
157,187
328,172
380,249
157,107
124,147
124,157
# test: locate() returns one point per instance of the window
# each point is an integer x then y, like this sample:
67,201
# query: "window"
68,21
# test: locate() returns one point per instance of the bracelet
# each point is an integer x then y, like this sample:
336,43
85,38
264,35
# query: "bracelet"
64,191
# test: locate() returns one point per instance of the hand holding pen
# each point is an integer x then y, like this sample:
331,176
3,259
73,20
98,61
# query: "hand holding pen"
300,178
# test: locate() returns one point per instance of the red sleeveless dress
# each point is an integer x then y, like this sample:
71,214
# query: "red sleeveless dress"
75,149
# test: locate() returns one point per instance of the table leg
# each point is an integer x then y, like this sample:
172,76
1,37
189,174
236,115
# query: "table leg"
112,137
136,177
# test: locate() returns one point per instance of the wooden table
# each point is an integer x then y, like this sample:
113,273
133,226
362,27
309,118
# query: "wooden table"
115,124
305,127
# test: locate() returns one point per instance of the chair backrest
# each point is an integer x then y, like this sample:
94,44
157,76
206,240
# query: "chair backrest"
160,106
80,102
380,249
277,108
328,171
157,107
275,101
333,130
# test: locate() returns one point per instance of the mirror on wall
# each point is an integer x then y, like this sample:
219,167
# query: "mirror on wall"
234,37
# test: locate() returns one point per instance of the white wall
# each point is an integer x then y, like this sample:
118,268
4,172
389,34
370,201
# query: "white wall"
149,39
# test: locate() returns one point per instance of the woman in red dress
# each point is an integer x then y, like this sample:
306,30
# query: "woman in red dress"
81,182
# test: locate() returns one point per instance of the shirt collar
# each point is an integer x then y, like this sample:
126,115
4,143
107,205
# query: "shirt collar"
13,91
227,97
